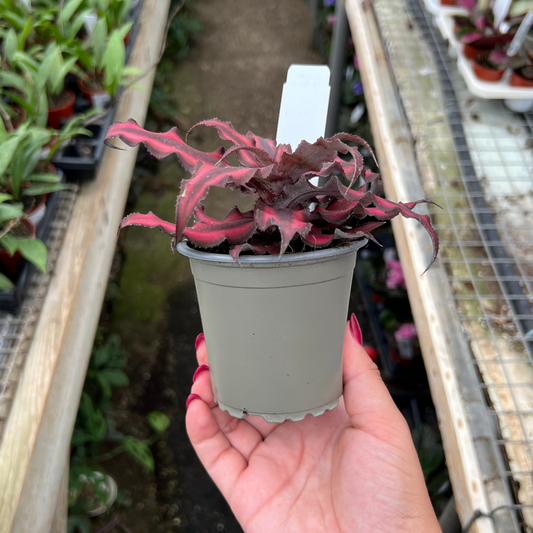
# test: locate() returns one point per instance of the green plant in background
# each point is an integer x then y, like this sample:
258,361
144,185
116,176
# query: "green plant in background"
430,452
29,248
103,58
180,31
96,425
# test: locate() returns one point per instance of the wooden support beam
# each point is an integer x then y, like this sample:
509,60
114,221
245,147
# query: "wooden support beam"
37,434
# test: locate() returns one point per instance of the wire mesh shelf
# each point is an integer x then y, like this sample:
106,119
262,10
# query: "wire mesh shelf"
475,159
16,332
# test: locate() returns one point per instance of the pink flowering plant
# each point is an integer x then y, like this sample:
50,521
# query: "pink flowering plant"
290,214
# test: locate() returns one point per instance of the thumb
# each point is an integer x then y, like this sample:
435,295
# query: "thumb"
366,398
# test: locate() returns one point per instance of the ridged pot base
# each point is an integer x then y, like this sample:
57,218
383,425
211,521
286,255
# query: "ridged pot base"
274,418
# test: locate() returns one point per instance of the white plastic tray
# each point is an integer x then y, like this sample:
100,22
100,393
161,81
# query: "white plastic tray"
435,8
495,90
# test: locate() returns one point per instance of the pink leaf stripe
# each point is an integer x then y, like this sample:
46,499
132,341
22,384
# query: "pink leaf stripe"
193,191
227,132
209,235
148,221
160,144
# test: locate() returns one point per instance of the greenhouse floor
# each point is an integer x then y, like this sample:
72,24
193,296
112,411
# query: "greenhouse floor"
234,71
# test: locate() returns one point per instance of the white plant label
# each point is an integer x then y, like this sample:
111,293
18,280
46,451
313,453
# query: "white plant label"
518,39
100,99
500,10
89,21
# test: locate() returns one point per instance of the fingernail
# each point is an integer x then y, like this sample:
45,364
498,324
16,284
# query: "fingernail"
190,398
199,370
198,340
355,329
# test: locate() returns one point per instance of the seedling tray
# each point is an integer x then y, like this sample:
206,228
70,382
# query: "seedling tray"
79,160
11,300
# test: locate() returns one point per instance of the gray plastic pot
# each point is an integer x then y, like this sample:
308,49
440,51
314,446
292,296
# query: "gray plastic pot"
274,329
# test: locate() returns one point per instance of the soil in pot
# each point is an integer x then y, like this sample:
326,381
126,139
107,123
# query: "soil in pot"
522,77
60,108
93,91
484,69
448,2
10,265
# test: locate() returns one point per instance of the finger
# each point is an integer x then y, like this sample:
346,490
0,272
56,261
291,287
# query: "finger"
201,351
221,460
367,400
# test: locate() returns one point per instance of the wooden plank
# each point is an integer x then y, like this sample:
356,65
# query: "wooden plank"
37,434
60,519
428,293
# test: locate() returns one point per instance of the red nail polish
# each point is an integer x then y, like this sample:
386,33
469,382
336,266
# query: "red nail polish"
199,370
355,329
198,340
190,398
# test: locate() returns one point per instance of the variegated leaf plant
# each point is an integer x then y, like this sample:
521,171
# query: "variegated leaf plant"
289,210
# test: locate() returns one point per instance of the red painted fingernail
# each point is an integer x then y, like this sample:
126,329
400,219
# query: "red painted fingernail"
198,340
190,398
355,329
199,370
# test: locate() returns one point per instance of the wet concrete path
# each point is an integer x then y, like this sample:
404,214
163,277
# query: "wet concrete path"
234,72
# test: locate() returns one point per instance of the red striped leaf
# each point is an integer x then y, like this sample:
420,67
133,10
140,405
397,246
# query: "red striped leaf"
289,221
161,144
193,191
148,221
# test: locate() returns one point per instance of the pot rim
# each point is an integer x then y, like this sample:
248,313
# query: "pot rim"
302,257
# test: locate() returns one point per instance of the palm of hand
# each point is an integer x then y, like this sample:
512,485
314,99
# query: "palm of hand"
343,471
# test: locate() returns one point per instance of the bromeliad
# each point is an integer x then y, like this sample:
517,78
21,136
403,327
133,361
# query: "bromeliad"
289,211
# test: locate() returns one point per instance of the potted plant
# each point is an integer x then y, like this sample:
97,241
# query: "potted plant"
477,33
51,75
522,76
487,68
103,60
261,274
23,174
17,242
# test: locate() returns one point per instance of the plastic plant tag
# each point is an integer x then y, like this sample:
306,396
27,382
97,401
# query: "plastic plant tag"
100,99
521,33
89,22
500,10
405,348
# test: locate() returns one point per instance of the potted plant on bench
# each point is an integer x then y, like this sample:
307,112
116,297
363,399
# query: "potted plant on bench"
273,283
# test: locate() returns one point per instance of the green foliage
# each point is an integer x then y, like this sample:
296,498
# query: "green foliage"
430,452
96,423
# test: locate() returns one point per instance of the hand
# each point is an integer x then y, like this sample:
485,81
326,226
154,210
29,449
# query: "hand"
353,469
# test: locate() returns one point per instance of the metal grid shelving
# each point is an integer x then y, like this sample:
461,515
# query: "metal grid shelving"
476,160
16,331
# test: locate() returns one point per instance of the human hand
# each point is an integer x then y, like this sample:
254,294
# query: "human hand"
353,469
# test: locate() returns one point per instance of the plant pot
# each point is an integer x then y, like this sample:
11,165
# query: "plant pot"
274,329
470,51
98,97
92,506
485,72
10,263
56,114
36,213
517,80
